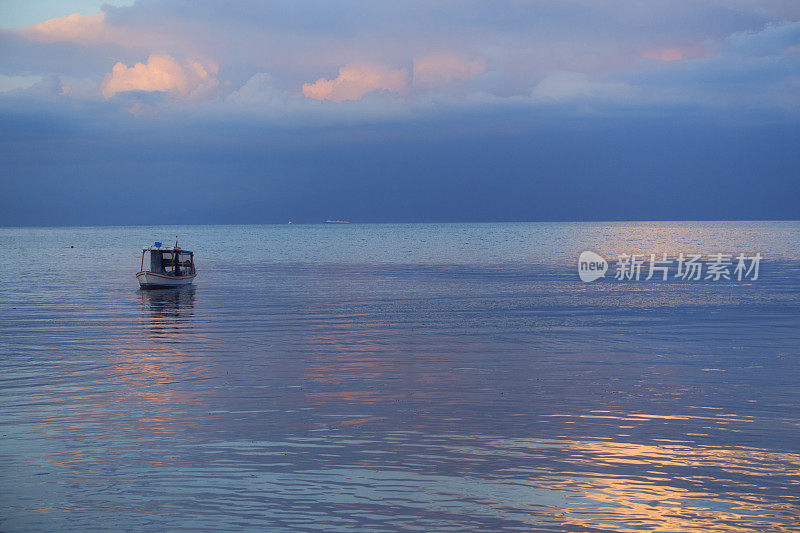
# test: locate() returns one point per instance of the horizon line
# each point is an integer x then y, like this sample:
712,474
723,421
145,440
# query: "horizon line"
362,223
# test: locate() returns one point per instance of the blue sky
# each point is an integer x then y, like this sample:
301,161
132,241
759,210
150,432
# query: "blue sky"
265,111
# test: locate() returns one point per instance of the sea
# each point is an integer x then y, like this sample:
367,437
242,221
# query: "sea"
402,377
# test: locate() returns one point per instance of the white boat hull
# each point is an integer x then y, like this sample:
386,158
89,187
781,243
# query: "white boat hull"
148,280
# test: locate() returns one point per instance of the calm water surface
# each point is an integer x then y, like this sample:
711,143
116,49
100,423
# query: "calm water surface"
398,377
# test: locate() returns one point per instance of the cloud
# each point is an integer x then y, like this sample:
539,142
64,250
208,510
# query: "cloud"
564,86
772,40
754,69
112,30
508,53
257,92
439,70
76,28
11,83
429,72
356,80
676,53
161,73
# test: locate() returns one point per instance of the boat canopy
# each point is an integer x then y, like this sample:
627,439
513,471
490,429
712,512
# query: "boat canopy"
166,249
168,260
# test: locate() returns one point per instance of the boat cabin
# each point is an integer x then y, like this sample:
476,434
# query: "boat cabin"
168,261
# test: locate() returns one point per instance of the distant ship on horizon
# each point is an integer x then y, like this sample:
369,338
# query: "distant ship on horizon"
337,221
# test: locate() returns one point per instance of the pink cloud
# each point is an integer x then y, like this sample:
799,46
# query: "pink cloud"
669,54
77,28
95,29
163,73
356,80
445,69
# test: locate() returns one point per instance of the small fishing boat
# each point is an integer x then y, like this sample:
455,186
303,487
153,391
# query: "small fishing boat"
168,266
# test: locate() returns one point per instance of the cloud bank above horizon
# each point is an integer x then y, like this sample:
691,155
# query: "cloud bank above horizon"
416,110
401,57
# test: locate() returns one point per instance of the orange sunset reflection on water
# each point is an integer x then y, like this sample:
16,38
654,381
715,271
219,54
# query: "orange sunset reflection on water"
653,494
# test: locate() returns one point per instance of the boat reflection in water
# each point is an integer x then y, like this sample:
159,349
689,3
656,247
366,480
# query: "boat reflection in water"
168,311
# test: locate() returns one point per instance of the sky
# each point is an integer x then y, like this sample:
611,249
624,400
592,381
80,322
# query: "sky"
245,111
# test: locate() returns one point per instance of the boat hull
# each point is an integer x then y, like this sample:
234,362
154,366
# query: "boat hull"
148,280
